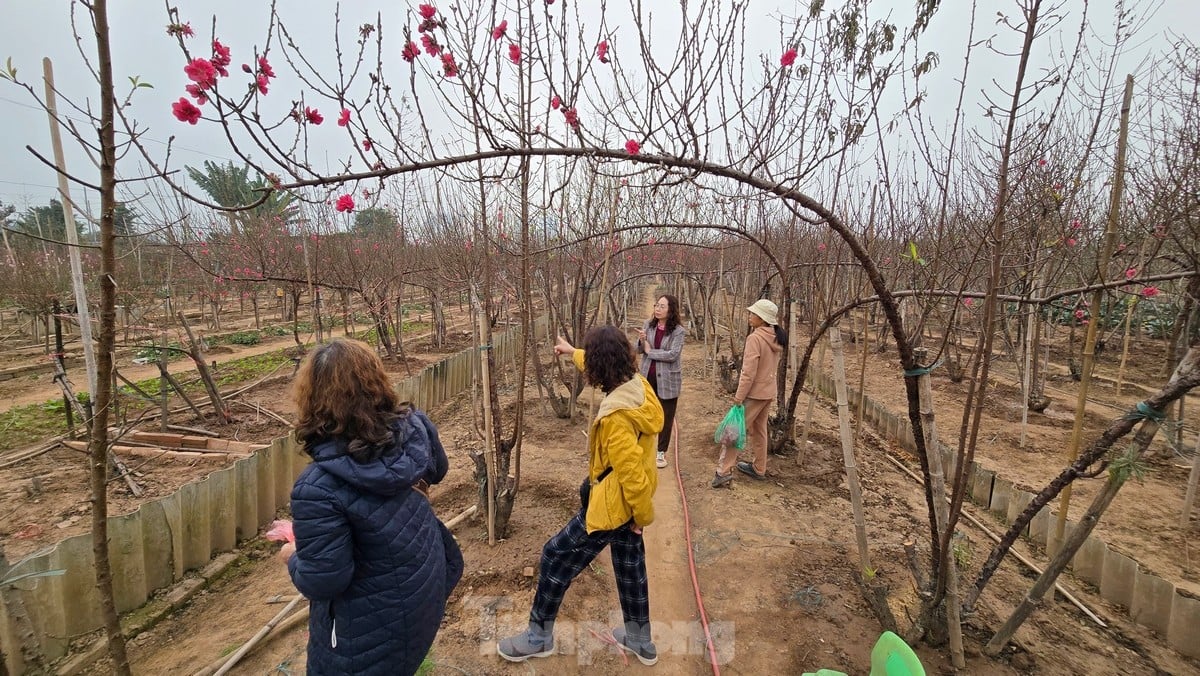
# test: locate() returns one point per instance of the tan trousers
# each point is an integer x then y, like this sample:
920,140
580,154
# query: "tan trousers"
757,412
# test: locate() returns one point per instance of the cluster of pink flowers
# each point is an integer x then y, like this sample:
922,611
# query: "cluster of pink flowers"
571,117
500,30
788,58
449,65
203,74
344,203
602,51
344,117
265,74
313,116
431,45
514,53
428,18
185,111
633,147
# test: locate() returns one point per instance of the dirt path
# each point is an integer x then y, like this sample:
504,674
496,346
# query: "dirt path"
673,611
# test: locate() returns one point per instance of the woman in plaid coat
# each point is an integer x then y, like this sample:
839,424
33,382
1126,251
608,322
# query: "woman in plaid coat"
660,343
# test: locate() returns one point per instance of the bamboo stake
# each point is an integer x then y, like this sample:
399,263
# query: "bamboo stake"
862,374
223,665
489,449
1193,479
812,404
462,516
263,410
937,479
163,391
1089,345
1027,377
81,301
1128,321
839,379
266,629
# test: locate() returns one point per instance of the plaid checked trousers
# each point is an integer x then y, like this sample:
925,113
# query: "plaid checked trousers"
572,549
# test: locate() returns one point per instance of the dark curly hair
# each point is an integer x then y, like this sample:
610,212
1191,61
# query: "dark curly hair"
672,314
342,391
608,360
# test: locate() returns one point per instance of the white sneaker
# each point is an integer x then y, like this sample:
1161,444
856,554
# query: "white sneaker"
660,459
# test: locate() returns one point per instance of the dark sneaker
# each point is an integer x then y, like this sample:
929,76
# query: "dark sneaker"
644,651
722,480
525,645
748,469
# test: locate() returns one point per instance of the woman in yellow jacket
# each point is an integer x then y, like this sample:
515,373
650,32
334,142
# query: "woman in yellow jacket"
756,389
617,505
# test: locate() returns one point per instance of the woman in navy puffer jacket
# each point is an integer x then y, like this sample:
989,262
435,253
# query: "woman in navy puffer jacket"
371,556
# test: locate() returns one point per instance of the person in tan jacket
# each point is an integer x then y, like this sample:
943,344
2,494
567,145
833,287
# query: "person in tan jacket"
756,388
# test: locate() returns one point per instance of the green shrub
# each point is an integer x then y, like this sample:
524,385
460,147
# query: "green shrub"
244,338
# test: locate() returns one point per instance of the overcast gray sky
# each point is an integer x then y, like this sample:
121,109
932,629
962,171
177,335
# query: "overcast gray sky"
32,29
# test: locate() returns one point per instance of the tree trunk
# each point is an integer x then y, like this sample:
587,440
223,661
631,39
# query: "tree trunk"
104,359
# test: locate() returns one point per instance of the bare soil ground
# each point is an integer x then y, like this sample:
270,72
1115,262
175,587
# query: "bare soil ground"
775,561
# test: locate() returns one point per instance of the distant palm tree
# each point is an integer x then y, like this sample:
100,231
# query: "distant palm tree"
230,186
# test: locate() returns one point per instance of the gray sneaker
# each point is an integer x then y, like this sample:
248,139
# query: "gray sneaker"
660,459
722,480
643,650
525,645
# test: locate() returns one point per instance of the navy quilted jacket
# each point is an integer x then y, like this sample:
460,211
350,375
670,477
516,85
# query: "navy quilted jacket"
375,562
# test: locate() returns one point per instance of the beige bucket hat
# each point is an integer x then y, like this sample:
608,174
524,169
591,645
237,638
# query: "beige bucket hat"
766,311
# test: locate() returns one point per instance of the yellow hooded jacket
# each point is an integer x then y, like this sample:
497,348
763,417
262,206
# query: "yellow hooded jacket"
623,436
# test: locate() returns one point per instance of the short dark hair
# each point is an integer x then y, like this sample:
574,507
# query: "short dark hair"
608,360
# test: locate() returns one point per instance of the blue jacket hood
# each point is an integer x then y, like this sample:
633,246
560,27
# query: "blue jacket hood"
406,461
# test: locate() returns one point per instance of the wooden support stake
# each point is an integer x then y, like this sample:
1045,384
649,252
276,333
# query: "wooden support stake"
463,516
937,478
205,376
1193,478
843,405
277,621
1089,343
132,385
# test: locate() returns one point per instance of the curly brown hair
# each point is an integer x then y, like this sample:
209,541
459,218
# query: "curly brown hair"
608,359
342,391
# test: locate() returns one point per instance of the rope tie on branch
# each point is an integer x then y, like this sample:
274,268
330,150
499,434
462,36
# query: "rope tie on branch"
1144,412
922,370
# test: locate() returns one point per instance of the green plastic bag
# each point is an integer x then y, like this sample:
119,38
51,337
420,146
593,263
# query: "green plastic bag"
732,429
